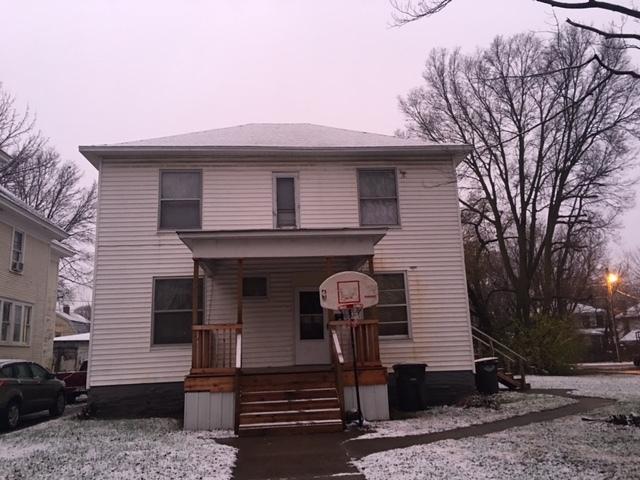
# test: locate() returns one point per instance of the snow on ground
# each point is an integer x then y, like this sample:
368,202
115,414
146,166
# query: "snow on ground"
149,449
438,419
567,448
619,387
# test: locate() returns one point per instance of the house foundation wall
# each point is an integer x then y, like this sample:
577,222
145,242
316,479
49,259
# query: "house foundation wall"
373,399
209,410
137,400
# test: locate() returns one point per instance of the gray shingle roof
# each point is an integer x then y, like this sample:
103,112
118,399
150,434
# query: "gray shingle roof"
301,135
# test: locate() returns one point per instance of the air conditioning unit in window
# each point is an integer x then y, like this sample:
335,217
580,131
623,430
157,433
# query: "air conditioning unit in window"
17,266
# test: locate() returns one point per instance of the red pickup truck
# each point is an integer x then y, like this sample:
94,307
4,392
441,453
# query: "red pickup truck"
75,382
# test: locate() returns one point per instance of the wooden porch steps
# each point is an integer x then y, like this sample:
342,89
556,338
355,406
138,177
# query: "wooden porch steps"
511,381
288,403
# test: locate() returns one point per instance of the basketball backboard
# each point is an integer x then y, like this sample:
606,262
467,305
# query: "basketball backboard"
346,290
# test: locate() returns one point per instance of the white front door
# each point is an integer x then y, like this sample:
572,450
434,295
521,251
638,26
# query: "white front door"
312,345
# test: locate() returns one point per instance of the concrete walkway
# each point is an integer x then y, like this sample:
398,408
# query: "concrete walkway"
323,456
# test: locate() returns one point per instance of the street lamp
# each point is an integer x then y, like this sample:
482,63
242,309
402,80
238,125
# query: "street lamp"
613,279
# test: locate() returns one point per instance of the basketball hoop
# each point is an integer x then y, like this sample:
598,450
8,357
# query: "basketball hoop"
350,293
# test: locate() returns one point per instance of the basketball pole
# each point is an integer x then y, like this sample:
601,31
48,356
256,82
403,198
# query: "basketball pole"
355,368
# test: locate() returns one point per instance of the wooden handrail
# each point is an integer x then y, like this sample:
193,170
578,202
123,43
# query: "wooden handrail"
501,351
493,341
216,348
239,350
337,359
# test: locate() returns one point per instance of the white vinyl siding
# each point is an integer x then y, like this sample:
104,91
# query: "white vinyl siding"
238,194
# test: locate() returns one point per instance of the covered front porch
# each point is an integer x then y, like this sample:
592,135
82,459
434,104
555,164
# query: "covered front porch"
265,356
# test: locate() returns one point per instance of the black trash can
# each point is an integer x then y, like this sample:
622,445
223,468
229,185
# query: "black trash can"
411,386
487,375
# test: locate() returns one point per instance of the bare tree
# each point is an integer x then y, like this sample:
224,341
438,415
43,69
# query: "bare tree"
546,176
34,172
54,189
18,137
411,10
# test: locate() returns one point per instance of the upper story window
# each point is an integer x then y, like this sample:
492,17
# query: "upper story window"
15,322
172,317
285,200
180,200
17,251
378,196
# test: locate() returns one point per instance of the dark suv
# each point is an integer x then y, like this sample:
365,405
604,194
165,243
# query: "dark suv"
26,387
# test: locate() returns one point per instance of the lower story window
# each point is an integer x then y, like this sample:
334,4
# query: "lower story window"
172,305
392,307
15,322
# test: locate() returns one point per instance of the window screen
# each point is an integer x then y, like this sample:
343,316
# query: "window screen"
285,202
172,310
378,197
180,198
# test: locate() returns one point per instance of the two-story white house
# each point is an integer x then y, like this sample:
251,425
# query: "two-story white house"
210,250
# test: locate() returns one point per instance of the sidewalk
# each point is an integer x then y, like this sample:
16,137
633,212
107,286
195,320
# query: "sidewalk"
318,456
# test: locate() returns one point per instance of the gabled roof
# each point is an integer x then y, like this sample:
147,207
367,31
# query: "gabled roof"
9,201
271,138
72,317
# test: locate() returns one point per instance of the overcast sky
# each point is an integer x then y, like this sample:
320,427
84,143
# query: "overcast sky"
116,70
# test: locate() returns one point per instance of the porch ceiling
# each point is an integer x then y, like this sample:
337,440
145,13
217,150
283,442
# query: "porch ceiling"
226,244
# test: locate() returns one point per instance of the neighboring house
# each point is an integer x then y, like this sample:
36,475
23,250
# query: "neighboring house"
233,230
68,323
69,351
31,249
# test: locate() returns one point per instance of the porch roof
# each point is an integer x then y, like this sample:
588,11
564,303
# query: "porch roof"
320,242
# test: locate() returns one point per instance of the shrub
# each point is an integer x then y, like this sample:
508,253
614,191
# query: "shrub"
551,344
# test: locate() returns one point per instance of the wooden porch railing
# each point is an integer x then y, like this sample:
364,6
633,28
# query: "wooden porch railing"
366,340
217,348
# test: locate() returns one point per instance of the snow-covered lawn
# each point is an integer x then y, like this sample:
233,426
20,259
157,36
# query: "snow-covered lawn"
438,419
619,387
148,449
567,448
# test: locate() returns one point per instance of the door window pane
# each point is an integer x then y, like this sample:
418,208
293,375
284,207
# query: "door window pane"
38,372
311,316
22,370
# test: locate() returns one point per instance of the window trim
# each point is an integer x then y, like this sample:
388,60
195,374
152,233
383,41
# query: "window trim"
22,252
409,335
397,197
274,197
199,171
268,288
26,307
154,345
